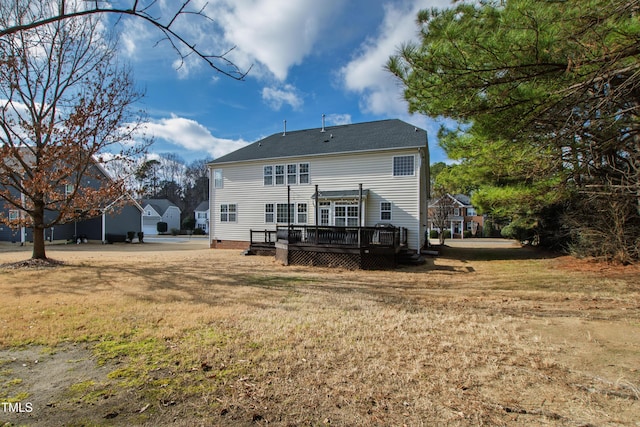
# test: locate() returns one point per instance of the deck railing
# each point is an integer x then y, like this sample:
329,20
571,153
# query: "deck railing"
362,237
263,237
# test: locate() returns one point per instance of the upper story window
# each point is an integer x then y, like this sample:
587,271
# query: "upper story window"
291,174
303,171
279,174
471,212
14,215
403,165
217,178
268,175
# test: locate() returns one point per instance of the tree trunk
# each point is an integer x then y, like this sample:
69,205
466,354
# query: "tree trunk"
38,233
38,243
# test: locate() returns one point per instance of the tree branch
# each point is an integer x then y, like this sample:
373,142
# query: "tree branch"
228,68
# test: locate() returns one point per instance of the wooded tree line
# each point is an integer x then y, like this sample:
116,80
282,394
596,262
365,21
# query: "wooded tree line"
169,177
546,94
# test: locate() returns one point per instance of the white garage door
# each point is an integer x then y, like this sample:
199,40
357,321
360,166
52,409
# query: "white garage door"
150,230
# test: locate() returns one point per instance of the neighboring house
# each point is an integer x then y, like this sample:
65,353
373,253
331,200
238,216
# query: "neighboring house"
159,210
117,218
252,186
201,214
458,216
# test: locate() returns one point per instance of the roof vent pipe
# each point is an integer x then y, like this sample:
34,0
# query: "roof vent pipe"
322,123
285,128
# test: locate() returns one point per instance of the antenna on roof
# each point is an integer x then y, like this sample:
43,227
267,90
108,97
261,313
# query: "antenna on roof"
322,124
285,128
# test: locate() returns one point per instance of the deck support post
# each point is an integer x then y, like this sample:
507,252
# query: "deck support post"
359,215
317,213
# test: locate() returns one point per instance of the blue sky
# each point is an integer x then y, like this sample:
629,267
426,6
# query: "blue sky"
308,58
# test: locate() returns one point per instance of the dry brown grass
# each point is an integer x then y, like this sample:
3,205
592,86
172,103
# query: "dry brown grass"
208,337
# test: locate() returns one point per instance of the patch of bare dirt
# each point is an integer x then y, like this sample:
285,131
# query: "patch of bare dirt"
591,265
44,387
36,264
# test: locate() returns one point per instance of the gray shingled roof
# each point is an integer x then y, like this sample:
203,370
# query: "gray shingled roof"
160,205
370,136
202,207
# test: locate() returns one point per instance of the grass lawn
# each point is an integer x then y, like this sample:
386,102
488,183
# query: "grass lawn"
178,334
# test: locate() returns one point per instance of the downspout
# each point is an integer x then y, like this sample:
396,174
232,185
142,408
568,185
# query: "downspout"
288,212
104,226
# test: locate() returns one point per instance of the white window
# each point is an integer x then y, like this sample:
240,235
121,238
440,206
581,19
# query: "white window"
385,211
456,212
292,174
268,213
279,174
282,215
268,175
14,215
302,213
68,190
403,165
217,178
228,213
303,169
471,212
346,215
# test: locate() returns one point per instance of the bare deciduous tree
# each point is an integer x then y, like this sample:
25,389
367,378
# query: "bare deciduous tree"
441,212
64,101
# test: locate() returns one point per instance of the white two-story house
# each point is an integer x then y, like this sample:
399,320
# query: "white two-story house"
201,214
388,159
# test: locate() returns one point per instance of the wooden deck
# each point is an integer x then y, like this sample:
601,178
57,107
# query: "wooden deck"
348,247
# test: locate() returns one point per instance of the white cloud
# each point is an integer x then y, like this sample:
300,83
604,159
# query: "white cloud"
276,98
366,73
191,136
276,33
338,119
269,35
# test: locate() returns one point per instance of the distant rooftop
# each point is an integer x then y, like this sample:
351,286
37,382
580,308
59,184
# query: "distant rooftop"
357,137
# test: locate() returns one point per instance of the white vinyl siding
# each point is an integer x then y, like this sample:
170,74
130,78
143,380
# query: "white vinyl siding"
337,172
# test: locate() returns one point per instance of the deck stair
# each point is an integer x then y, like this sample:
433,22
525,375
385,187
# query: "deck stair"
409,257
